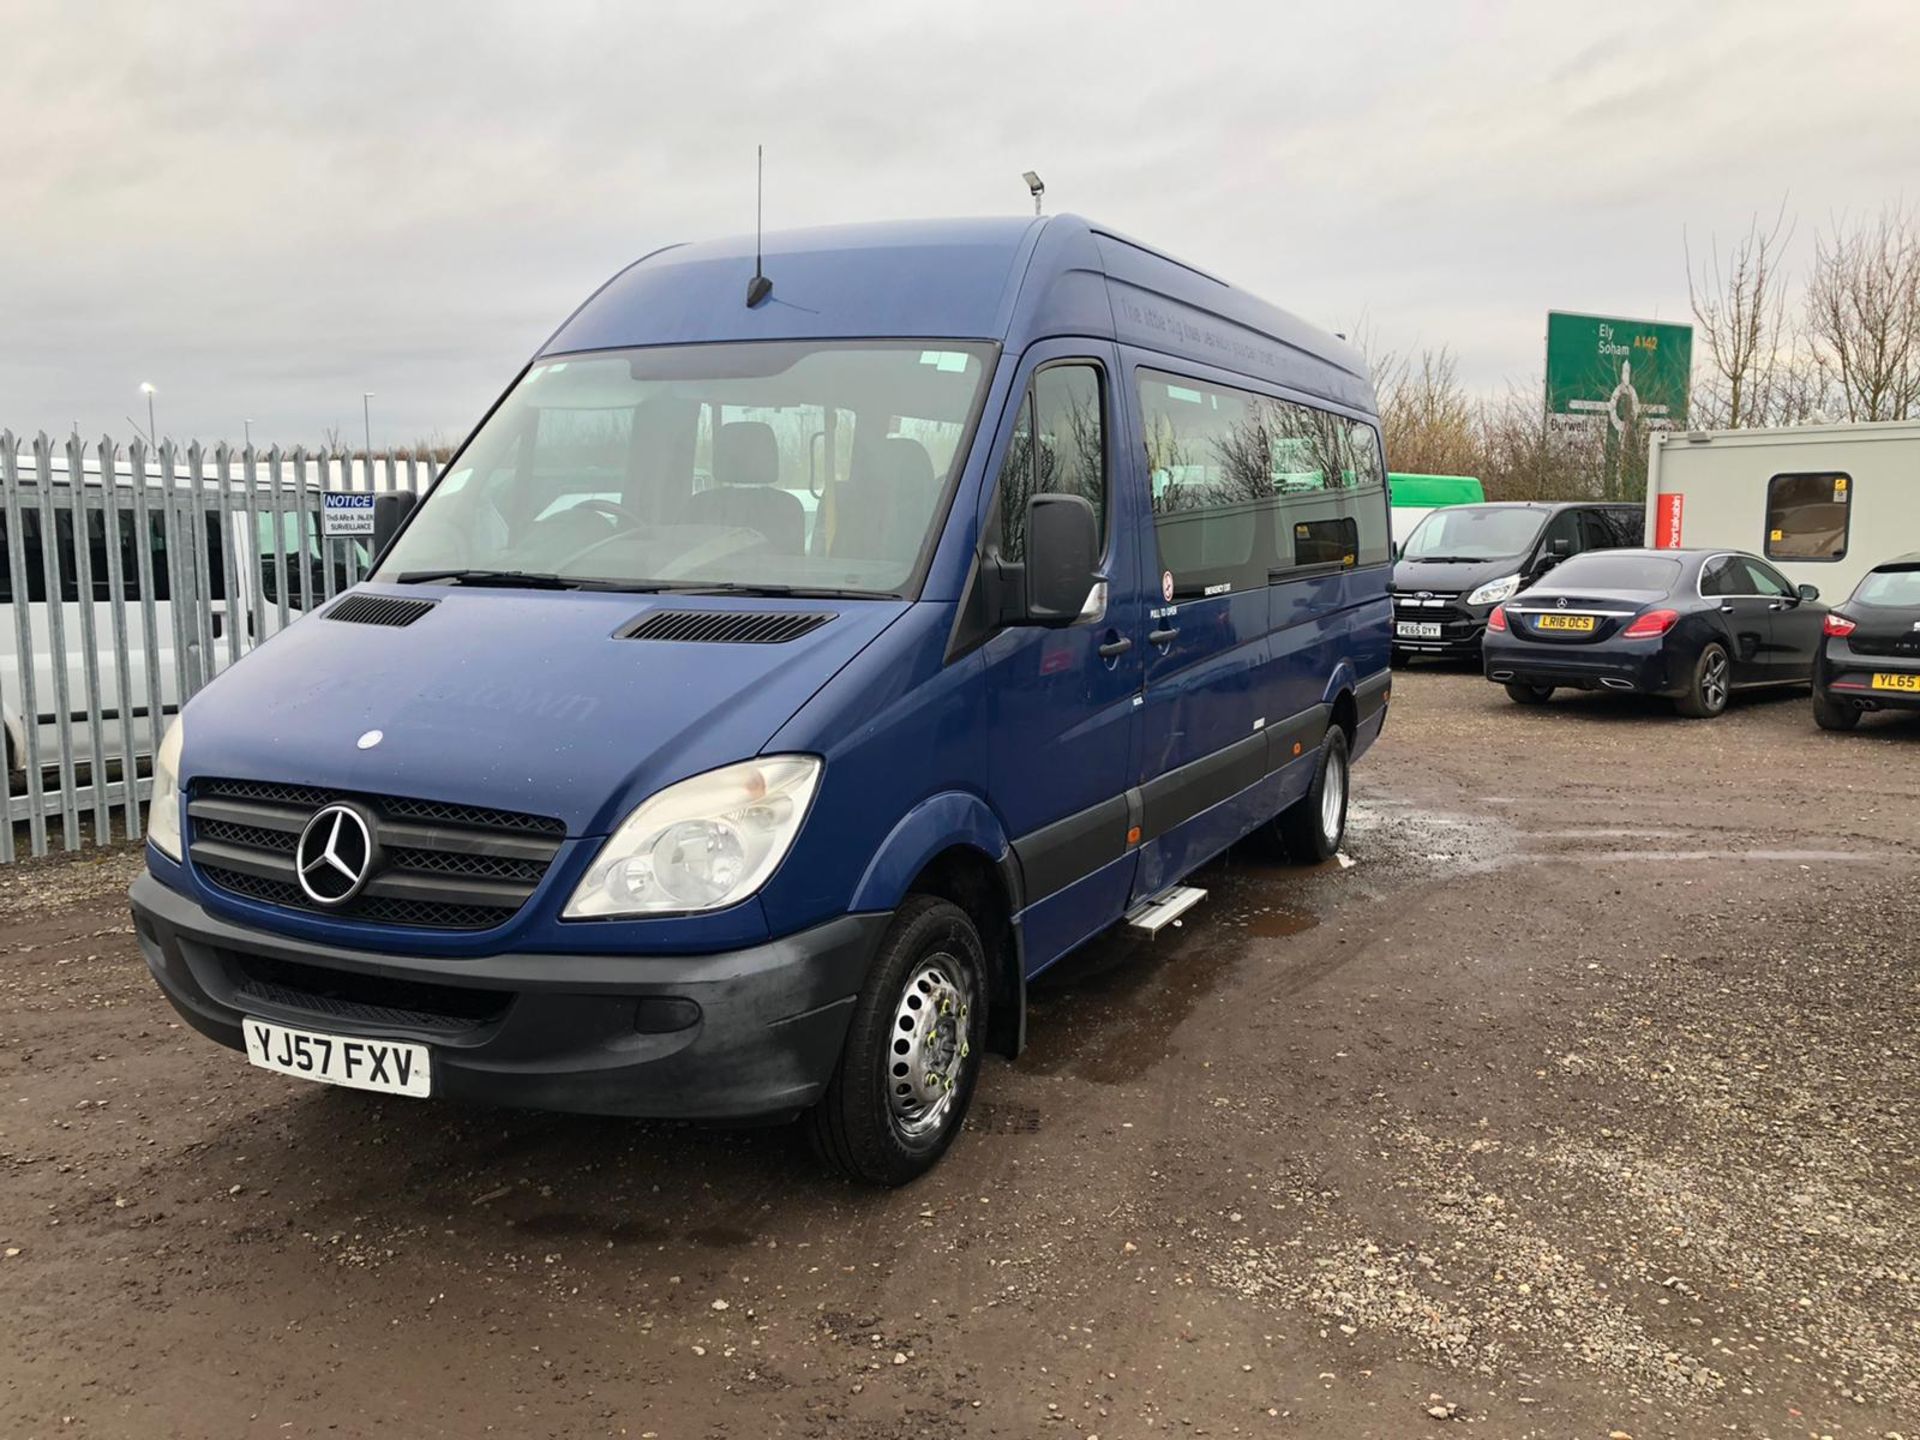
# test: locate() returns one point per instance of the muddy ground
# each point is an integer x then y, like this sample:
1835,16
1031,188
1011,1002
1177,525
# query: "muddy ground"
1583,1103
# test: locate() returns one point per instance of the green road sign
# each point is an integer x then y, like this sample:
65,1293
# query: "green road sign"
1633,375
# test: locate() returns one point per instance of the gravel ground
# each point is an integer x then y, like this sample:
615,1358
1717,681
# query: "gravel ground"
1580,1104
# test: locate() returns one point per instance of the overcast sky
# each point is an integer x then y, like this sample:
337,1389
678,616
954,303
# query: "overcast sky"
266,209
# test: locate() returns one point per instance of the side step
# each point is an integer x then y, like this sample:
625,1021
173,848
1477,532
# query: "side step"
1154,914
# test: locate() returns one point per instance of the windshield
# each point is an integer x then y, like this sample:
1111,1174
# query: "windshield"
1468,534
1604,571
1895,589
808,466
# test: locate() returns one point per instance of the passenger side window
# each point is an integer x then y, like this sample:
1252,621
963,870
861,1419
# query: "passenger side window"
1249,488
1764,580
1808,516
1716,577
1563,527
1058,448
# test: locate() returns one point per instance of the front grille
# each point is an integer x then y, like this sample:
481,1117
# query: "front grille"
1437,607
366,999
439,866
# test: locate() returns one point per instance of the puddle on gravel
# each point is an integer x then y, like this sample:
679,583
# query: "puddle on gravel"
1108,1012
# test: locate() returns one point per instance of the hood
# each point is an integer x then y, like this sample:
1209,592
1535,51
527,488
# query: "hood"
515,700
1457,577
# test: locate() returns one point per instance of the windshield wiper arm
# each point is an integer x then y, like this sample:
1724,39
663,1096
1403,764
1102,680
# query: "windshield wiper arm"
783,592
504,579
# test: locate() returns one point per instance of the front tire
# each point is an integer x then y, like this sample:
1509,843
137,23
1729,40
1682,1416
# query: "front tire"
1312,828
1707,692
1830,715
912,1054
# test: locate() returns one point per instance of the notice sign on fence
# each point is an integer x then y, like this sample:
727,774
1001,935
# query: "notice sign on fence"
342,513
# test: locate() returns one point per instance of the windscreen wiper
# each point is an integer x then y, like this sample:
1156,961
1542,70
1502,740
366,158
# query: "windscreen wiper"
503,579
779,592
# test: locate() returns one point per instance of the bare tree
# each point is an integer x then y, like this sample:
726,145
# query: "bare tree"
1427,418
1739,306
1863,314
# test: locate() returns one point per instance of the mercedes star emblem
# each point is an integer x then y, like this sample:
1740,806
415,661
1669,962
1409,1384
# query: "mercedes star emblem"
335,855
1563,602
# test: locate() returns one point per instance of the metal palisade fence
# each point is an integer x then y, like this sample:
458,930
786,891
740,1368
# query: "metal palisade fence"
129,577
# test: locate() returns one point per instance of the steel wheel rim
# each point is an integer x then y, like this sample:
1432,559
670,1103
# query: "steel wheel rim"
1333,797
928,1046
1713,685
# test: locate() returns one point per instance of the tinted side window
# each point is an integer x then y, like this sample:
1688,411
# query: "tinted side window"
1058,448
1629,525
1716,577
1808,516
1248,487
1596,531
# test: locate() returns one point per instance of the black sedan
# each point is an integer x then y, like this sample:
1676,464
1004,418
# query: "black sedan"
1870,659
1692,625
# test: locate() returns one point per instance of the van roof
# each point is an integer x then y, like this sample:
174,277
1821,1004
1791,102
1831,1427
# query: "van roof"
1008,280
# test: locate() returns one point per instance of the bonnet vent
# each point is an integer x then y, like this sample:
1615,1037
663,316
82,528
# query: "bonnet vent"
723,627
365,609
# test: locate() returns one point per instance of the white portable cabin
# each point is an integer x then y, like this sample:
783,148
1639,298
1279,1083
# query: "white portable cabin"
1823,503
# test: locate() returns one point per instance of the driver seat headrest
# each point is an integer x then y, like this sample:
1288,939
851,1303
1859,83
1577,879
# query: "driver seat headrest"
746,453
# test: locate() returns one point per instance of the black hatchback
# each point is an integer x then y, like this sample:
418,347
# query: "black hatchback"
1870,659
1691,625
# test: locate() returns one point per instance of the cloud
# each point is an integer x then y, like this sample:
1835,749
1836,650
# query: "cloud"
266,209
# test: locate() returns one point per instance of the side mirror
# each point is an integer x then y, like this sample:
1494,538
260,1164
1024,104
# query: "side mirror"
1394,550
1063,558
390,512
1809,592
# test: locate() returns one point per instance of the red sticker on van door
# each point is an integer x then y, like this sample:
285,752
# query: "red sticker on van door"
1666,522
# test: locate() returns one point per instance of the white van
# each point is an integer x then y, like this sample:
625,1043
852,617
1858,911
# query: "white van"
1823,503
175,598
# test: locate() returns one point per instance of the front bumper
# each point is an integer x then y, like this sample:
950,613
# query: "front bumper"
1461,626
745,1033
1642,671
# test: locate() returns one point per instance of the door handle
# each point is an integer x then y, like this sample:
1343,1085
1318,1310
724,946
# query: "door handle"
1777,605
1116,647
1164,637
1726,609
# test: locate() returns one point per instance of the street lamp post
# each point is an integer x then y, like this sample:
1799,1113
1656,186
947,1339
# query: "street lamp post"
153,436
246,427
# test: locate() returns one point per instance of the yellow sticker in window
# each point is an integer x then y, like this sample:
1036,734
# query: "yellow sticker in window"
1778,535
1840,489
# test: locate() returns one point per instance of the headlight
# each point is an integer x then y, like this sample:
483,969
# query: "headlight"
704,843
1494,591
163,809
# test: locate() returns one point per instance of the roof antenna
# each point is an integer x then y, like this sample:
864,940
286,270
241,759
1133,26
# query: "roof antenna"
760,287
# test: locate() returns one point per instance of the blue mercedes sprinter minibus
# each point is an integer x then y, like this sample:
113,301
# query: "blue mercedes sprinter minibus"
790,667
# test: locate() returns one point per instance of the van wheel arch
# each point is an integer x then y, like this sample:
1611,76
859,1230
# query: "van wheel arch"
987,890
1346,715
